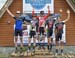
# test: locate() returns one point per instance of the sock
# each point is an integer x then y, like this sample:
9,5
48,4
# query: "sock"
29,48
39,45
50,46
33,47
61,50
56,50
21,50
43,46
16,48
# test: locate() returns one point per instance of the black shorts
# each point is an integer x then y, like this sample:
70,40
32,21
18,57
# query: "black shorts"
41,30
18,32
49,33
32,34
58,36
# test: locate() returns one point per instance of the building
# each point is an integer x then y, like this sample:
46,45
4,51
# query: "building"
6,29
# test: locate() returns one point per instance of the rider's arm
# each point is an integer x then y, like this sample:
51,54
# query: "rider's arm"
68,17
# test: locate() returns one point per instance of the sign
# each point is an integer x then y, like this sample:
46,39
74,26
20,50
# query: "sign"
38,5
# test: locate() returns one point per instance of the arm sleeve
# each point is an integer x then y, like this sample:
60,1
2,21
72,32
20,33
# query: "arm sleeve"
23,19
27,20
54,20
55,26
63,22
46,22
15,18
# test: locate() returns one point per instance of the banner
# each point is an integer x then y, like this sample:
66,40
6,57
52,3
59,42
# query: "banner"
38,5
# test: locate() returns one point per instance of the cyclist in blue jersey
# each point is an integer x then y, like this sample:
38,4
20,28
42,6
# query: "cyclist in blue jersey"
18,28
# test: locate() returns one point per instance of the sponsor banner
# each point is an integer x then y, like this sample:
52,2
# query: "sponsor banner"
38,5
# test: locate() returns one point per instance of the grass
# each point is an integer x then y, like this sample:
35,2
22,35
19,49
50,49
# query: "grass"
4,56
73,1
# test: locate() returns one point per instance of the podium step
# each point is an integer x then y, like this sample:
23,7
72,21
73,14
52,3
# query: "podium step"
47,56
42,54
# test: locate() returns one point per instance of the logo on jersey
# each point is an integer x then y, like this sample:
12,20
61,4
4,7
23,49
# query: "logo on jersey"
42,22
60,26
50,24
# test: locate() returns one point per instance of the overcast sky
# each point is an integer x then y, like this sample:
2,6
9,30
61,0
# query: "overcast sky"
2,2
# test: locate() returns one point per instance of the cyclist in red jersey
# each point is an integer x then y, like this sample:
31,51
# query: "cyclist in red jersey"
42,18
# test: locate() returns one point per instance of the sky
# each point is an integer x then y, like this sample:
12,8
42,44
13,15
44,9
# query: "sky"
2,2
